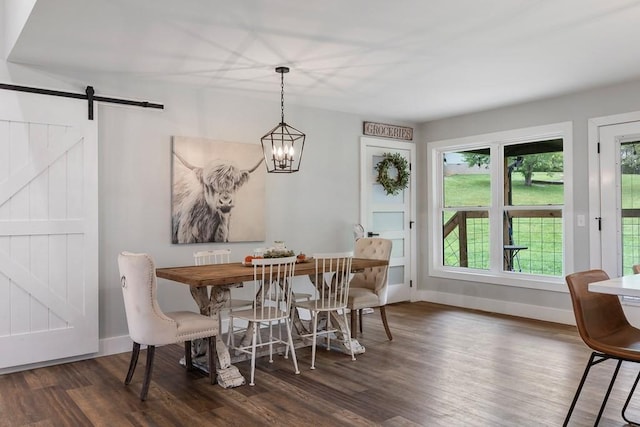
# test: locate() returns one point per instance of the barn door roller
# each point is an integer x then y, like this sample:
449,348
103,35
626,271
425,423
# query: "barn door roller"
89,95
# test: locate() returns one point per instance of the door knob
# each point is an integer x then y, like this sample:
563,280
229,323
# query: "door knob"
371,234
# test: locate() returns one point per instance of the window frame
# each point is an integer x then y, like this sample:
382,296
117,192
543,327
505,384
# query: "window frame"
496,141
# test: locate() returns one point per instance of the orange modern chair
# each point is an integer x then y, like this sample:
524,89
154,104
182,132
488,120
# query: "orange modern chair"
603,327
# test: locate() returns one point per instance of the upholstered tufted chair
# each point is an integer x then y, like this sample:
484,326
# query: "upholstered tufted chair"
149,326
368,288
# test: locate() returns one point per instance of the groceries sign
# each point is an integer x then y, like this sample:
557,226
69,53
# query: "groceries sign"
387,131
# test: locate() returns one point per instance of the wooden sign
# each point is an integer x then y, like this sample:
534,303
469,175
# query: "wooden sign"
387,131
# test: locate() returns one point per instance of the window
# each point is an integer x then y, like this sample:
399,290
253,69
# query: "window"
498,205
466,192
630,204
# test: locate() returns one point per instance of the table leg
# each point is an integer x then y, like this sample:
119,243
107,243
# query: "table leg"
209,305
344,340
298,326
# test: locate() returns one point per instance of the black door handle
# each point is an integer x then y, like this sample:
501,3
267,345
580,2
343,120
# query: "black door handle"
370,234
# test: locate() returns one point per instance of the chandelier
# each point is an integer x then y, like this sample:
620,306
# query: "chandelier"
282,146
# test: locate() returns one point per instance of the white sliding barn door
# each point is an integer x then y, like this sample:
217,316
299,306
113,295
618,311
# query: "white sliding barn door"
48,229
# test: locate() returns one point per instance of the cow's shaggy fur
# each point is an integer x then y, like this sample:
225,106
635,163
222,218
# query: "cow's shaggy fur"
203,199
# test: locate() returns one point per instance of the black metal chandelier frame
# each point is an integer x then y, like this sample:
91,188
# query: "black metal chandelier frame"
283,145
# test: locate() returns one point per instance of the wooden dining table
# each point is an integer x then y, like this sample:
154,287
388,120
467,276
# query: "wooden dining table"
210,288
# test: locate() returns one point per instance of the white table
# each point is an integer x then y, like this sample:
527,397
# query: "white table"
628,286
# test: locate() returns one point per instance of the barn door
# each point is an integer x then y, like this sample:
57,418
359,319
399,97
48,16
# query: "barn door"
48,230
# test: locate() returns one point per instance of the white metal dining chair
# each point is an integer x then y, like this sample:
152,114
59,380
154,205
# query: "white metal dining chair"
273,277
331,280
219,256
149,326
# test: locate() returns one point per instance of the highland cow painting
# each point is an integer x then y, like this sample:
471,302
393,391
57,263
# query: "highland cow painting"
218,191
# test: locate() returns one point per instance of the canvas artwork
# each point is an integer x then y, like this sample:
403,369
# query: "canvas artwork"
218,191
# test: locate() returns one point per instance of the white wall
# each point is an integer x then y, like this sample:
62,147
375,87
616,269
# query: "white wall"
312,210
578,108
19,11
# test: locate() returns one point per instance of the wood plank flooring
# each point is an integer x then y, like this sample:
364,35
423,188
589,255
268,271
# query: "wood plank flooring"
445,367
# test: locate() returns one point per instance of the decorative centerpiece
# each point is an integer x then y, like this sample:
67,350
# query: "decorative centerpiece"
278,250
278,253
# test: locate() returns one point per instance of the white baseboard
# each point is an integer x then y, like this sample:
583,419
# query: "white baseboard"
499,306
114,345
123,344
106,347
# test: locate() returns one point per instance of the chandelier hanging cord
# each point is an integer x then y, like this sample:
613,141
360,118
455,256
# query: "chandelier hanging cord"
282,70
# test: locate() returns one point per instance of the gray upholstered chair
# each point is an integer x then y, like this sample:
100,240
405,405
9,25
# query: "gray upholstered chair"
368,288
149,326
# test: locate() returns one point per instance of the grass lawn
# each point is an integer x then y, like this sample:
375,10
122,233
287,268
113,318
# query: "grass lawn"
542,236
475,190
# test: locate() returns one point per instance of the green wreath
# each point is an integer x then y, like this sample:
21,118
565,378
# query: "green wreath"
393,186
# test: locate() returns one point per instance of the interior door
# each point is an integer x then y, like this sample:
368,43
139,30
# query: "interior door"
620,197
390,216
48,229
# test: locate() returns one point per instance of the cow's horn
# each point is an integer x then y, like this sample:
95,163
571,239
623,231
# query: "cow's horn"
256,166
184,162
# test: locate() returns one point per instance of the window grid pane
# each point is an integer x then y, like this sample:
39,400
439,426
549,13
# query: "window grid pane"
630,202
543,239
630,244
466,184
472,251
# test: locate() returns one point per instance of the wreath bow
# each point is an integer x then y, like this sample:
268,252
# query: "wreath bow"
393,186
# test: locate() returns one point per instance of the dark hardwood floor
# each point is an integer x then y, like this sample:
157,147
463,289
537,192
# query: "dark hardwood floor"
445,367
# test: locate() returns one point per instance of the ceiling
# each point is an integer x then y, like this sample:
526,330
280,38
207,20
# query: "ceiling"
409,60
